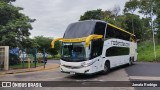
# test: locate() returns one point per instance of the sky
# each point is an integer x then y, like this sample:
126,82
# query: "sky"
53,16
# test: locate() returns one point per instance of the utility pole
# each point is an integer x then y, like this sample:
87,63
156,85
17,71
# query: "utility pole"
132,24
154,45
44,52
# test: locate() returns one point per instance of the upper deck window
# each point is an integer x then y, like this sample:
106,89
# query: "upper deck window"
112,32
84,29
100,28
80,29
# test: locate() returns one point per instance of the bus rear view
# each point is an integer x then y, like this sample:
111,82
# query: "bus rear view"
85,44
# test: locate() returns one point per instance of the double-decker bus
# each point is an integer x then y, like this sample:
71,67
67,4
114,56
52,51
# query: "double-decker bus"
92,46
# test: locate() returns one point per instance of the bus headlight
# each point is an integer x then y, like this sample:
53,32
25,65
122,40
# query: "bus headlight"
84,64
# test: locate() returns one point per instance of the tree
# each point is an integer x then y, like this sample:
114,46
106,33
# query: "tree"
14,26
131,6
8,1
125,22
132,19
45,43
29,43
146,29
151,11
98,15
93,14
116,10
157,20
148,8
109,16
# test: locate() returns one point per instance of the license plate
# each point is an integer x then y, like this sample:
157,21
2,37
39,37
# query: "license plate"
72,72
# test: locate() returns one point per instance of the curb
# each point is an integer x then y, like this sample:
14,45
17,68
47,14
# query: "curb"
30,70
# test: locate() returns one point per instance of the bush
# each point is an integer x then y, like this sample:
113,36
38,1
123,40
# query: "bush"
146,52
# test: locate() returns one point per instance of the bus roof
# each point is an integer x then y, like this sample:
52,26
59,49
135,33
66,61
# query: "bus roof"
85,28
80,29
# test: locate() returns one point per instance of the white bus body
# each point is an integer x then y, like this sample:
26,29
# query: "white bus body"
97,64
100,55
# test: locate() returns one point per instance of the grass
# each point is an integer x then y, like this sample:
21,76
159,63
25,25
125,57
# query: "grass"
20,66
55,57
146,52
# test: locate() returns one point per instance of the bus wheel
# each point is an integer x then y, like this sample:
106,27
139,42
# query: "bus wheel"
106,68
131,61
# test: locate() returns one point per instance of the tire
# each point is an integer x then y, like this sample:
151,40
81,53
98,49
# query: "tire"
106,68
131,61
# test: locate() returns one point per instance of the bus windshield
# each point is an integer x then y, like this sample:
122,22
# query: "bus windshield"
73,52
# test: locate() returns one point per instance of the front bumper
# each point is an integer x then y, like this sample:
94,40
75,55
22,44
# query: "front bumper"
82,70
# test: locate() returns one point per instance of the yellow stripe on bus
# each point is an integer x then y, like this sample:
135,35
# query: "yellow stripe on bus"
83,39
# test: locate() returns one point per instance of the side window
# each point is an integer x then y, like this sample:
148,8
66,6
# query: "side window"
110,32
96,48
122,35
117,51
100,28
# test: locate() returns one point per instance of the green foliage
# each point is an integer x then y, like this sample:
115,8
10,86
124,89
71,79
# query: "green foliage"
29,43
146,52
7,1
98,15
55,57
45,43
14,26
93,14
137,25
131,6
150,9
146,7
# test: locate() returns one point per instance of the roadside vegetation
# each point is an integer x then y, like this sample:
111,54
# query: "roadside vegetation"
146,52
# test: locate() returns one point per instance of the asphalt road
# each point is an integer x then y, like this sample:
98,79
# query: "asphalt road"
144,69
53,61
138,71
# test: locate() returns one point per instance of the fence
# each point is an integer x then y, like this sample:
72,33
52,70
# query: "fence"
26,58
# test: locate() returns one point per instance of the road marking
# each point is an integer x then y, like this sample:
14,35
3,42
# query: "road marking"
145,77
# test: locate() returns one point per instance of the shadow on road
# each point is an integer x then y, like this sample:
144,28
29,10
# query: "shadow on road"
96,75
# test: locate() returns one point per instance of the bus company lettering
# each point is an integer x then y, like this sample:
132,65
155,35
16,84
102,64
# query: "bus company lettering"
116,43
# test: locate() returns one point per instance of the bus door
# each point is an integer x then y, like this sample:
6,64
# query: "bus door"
96,52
